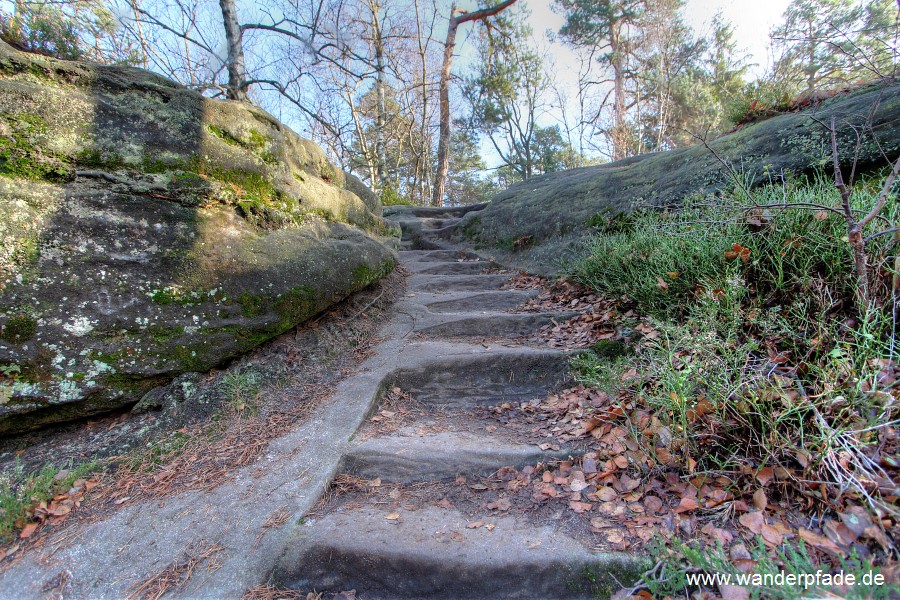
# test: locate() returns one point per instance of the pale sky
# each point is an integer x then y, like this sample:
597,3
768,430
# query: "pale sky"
752,21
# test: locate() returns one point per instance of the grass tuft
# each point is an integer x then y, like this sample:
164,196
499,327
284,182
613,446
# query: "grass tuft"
760,356
21,492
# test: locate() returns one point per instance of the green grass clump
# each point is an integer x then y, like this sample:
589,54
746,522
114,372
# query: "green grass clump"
662,260
158,452
656,262
681,563
241,388
20,492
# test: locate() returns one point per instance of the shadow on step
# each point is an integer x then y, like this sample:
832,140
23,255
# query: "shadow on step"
467,380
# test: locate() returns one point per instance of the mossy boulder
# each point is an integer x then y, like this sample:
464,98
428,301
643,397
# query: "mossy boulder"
365,193
149,232
556,212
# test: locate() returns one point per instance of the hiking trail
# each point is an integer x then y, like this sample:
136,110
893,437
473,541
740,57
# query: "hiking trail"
356,497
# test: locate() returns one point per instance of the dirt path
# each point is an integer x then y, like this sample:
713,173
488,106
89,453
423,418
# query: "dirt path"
356,497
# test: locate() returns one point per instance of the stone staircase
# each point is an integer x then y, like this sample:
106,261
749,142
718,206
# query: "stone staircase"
454,304
454,347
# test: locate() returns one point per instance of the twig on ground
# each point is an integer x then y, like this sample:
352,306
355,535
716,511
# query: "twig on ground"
177,573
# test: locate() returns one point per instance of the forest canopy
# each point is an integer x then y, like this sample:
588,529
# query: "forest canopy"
374,82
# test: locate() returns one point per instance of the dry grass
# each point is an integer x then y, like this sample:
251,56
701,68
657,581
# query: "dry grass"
203,462
266,591
56,586
343,484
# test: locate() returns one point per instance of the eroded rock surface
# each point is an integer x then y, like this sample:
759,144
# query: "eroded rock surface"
540,223
149,231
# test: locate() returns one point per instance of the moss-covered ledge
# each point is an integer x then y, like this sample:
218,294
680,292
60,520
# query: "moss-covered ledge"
150,231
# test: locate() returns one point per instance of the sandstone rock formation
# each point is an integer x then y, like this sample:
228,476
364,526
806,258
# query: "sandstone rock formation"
540,223
148,231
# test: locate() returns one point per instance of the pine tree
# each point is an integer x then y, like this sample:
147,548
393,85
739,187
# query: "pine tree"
825,43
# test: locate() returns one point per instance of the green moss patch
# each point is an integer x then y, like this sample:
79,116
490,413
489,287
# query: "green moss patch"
19,327
364,275
255,142
471,229
174,295
251,304
20,153
296,305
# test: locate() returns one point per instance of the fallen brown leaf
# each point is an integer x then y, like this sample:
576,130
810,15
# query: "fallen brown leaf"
687,504
765,475
580,507
754,521
28,530
759,499
734,592
820,541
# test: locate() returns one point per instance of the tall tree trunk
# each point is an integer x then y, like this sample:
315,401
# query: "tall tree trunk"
619,137
237,72
812,68
423,153
380,108
443,157
440,181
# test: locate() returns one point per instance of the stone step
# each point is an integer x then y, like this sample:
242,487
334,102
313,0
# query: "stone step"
425,225
430,553
420,229
434,255
493,325
408,457
485,379
450,268
462,283
405,212
487,302
421,243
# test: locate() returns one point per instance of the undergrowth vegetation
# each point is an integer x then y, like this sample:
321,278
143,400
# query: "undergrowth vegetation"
792,560
761,356
22,493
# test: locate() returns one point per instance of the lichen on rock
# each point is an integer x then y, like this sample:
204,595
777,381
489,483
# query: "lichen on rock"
151,232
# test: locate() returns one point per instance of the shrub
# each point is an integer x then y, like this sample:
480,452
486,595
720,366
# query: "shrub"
760,354
662,260
390,196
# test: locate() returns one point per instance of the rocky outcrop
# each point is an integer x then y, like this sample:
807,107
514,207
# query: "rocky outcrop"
540,223
149,231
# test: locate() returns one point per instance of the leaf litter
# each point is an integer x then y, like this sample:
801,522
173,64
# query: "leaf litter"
631,493
177,574
209,450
